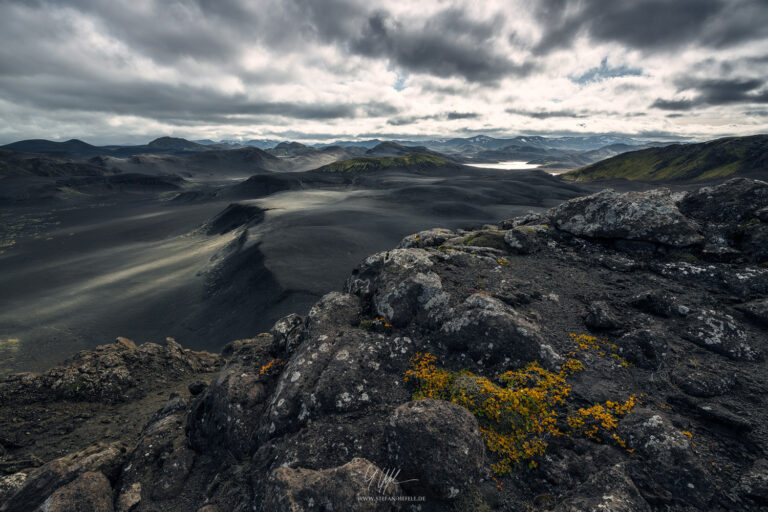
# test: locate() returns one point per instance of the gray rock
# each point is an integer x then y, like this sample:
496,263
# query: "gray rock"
439,444
338,373
490,331
610,490
721,334
112,373
756,310
754,482
525,239
159,465
333,310
129,498
735,201
754,242
642,216
9,484
288,332
644,348
43,481
399,285
227,414
90,492
600,317
656,302
428,238
703,383
670,468
300,490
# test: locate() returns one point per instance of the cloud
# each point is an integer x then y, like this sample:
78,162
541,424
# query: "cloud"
548,114
448,44
112,71
648,25
716,92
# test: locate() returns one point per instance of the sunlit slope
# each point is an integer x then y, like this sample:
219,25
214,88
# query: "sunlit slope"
715,159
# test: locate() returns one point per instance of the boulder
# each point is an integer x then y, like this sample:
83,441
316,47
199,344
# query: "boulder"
610,489
339,372
90,492
704,382
114,373
398,285
754,482
600,317
227,414
754,242
439,444
640,216
159,465
339,488
645,348
334,309
659,303
490,331
9,484
721,334
428,238
45,480
670,470
756,310
287,332
525,239
735,201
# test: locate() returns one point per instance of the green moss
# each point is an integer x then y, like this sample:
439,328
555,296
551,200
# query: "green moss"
366,324
355,165
711,160
493,239
689,258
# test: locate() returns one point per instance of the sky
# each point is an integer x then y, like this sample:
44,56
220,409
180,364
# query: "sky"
126,71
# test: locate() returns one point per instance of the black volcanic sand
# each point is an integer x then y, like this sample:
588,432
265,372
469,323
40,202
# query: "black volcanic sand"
139,267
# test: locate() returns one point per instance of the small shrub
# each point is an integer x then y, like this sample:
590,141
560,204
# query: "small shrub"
520,410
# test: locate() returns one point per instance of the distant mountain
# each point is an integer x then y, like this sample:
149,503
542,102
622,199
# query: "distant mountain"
42,146
23,164
355,165
259,143
175,144
395,149
288,149
244,158
690,162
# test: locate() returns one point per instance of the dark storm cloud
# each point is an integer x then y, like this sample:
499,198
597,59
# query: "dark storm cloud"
546,114
166,102
716,92
448,116
448,44
652,24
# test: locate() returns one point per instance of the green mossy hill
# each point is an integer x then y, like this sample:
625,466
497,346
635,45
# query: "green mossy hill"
355,165
715,159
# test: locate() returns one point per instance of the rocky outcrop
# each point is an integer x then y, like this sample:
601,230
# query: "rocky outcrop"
640,216
666,289
109,373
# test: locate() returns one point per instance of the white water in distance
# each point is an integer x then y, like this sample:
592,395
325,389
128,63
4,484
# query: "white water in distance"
511,165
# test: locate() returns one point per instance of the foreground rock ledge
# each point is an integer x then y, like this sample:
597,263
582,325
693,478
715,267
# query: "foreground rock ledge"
312,414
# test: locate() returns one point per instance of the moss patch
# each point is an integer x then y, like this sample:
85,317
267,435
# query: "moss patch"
493,239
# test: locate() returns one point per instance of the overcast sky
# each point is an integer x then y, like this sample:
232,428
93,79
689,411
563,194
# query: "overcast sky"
129,70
